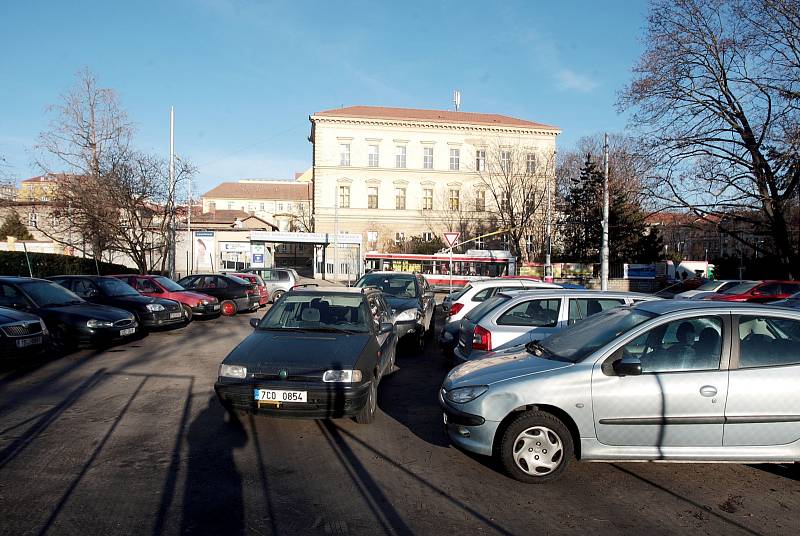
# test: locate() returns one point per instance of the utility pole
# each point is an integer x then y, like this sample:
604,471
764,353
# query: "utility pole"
604,251
189,242
336,233
548,267
171,201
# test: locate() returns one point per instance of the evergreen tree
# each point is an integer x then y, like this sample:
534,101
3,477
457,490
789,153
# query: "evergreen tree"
12,226
580,230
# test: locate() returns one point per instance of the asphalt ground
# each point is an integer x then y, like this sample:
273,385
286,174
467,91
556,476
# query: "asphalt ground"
131,440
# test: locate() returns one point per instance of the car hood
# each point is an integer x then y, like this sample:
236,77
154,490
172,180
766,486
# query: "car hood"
136,301
500,366
298,353
11,315
88,311
401,304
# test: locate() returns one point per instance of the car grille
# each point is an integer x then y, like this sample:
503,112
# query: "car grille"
290,378
22,329
172,307
124,322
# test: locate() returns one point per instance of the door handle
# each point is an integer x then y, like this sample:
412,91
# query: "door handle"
708,390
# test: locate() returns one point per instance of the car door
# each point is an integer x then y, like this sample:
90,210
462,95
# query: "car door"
581,308
678,400
763,407
535,318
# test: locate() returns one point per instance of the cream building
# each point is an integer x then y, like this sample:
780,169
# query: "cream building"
393,173
286,204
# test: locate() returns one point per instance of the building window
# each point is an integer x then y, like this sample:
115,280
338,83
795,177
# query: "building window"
480,200
344,197
530,243
455,155
230,205
400,157
261,206
373,156
372,197
453,198
504,240
33,219
251,207
280,207
504,204
427,199
344,154
399,238
531,163
479,243
505,161
480,160
427,157
400,198
427,236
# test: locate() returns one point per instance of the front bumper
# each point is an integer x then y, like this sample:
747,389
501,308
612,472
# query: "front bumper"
324,400
10,348
161,318
408,327
206,310
467,431
100,336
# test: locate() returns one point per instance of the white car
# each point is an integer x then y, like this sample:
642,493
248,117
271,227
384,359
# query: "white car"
477,292
708,288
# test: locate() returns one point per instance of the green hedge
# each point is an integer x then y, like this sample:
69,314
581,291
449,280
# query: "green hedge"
49,264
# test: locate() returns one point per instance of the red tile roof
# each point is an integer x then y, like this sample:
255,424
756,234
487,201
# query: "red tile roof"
290,191
440,116
49,177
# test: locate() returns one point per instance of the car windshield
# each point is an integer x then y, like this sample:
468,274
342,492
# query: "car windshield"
49,294
169,284
116,288
398,286
741,287
485,307
455,296
710,286
316,312
239,280
579,340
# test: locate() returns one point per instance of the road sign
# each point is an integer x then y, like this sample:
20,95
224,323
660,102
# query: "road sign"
451,238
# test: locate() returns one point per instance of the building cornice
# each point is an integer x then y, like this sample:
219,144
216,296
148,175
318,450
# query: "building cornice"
436,125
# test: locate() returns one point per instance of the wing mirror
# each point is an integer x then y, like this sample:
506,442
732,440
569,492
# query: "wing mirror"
254,322
385,327
626,367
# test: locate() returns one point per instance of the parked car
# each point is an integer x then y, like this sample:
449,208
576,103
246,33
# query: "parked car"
517,317
107,290
663,380
21,334
70,320
233,293
710,287
277,280
263,293
158,286
758,292
792,302
411,300
319,352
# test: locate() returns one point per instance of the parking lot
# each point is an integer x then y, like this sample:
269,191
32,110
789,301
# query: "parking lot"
131,440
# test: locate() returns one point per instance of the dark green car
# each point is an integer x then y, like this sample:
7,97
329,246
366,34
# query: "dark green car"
319,352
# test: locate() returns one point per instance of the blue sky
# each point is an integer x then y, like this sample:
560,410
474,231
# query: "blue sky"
245,76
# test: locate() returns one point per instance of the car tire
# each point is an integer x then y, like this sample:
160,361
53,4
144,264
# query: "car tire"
188,312
228,308
61,341
367,414
536,447
277,295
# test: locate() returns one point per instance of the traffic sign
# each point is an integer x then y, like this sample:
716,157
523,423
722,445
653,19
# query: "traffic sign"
451,238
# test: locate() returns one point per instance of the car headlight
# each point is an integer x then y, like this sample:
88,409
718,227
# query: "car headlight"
341,376
232,371
155,307
466,394
408,315
203,302
93,323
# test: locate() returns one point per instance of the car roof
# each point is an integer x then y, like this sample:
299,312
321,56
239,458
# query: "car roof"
20,279
576,292
386,272
661,307
519,281
332,289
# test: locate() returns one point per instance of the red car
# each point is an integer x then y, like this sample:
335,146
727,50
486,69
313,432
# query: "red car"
263,293
194,303
758,291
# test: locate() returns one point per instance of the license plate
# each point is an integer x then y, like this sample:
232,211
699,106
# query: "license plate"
22,343
126,332
272,395
175,315
214,307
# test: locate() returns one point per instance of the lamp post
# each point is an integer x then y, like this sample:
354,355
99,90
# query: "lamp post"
548,267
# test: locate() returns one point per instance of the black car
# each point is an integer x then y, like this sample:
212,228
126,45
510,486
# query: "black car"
20,333
234,294
411,300
318,352
448,338
106,290
69,319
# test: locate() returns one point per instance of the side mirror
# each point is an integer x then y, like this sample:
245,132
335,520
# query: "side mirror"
386,327
627,368
254,322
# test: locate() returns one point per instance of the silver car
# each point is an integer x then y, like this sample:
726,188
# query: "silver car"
708,288
512,318
278,281
662,380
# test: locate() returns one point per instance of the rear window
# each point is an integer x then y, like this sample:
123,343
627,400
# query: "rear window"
486,307
741,288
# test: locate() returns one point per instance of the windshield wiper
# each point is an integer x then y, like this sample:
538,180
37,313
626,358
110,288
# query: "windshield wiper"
332,329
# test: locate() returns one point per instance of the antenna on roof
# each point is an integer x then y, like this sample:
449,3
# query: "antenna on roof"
457,99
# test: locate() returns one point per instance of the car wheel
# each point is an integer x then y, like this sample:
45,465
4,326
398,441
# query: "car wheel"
536,447
367,413
228,308
188,312
61,341
277,295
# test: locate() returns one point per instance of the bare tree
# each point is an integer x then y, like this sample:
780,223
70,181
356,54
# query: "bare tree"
453,210
715,97
513,179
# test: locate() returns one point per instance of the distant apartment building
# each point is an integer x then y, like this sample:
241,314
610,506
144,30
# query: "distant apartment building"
286,204
8,191
39,189
392,173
